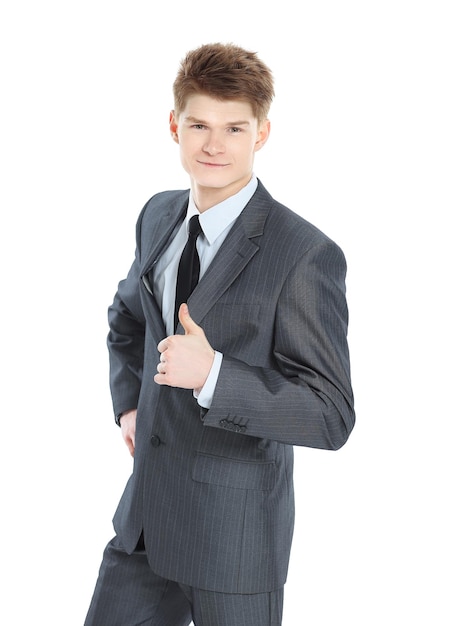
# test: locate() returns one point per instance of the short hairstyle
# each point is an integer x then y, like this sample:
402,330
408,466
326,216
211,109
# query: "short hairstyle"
225,72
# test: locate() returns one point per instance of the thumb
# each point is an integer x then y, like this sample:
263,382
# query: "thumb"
190,327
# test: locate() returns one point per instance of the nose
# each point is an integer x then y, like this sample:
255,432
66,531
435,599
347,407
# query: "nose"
213,144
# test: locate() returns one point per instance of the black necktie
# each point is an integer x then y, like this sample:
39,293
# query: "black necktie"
189,267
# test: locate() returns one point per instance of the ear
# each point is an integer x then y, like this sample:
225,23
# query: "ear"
262,135
174,127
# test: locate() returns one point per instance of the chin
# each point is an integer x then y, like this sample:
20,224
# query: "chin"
214,181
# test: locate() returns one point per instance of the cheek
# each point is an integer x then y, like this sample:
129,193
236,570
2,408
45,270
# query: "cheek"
184,157
247,155
243,151
186,148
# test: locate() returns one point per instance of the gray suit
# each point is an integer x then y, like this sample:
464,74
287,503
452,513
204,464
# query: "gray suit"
213,490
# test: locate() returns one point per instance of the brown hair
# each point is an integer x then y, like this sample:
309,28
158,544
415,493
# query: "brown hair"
225,72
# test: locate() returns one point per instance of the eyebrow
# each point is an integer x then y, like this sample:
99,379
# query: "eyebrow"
194,120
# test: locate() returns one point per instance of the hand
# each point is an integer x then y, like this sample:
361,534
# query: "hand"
128,429
185,360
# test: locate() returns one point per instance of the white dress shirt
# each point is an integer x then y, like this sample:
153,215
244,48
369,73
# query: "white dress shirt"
216,223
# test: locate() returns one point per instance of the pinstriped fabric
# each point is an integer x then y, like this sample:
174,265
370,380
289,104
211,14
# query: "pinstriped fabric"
213,492
217,609
128,593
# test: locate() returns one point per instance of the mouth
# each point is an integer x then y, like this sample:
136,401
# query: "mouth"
212,165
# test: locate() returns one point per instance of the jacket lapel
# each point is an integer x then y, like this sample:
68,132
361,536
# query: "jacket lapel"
239,247
162,233
164,230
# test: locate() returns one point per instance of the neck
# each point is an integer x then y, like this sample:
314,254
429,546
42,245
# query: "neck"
206,197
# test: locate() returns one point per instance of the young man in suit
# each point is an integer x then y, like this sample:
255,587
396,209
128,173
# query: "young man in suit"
212,394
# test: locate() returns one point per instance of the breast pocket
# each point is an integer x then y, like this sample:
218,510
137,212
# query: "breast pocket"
226,472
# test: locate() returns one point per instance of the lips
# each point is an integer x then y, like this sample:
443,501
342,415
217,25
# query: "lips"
207,164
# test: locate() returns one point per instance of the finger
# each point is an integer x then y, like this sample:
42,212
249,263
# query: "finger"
190,327
160,379
162,345
130,444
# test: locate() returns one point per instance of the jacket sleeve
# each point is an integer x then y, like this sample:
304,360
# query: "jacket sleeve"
126,337
306,398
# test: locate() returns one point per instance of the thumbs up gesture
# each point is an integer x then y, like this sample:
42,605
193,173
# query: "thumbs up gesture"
185,360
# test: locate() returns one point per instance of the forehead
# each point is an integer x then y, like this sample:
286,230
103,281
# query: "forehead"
205,108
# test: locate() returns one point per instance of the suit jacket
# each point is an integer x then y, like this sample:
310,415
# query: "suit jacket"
213,490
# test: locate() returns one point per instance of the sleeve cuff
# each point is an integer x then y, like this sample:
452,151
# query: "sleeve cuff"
205,397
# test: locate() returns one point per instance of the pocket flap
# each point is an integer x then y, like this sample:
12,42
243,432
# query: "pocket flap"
235,473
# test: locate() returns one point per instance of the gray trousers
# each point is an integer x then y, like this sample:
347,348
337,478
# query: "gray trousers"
128,593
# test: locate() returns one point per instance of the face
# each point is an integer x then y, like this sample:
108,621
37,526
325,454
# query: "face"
218,141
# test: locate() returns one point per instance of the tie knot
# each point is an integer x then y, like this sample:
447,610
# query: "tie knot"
194,226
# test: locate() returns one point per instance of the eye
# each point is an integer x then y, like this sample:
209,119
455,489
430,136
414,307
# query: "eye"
198,126
234,130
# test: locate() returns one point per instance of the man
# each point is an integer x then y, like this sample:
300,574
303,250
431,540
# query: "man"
212,395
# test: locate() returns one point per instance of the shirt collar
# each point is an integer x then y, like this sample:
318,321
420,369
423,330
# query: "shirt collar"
222,215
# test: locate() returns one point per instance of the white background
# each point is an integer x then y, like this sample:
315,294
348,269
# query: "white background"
367,143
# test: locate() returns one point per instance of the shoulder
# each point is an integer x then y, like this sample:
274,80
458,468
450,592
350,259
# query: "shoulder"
160,213
164,202
287,229
162,208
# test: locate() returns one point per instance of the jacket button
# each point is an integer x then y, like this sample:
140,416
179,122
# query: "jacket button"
155,441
